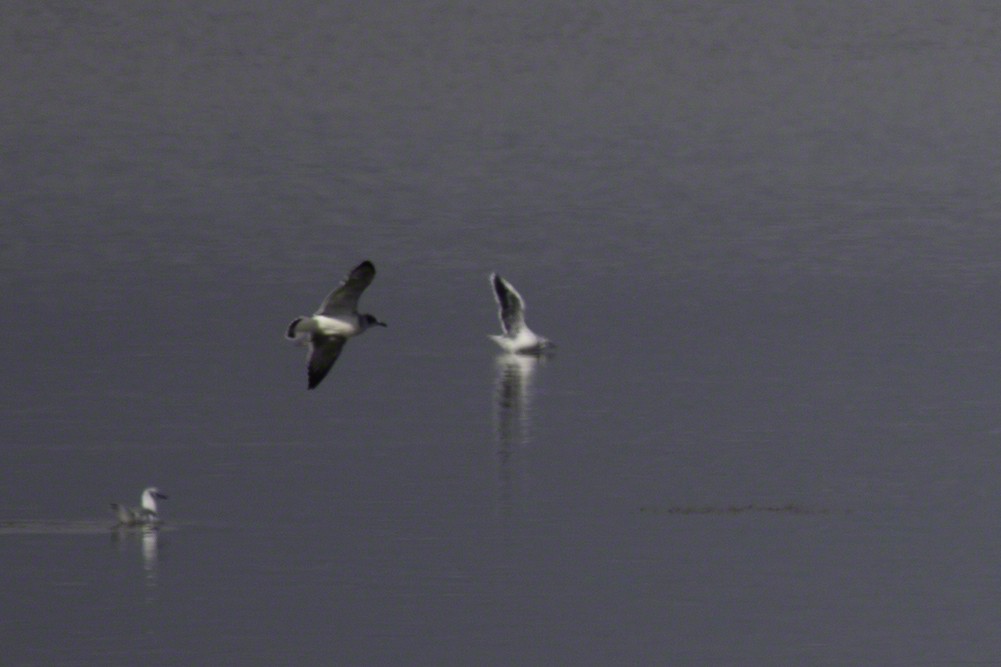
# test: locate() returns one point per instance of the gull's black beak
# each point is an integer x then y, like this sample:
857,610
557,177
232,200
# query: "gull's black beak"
381,324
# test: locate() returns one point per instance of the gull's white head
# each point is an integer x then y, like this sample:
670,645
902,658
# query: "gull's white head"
365,321
150,496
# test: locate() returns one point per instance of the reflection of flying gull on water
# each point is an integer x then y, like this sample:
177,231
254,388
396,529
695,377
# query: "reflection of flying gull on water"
514,396
512,422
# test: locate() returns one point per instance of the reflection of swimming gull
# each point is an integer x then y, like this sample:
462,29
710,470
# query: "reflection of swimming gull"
150,549
517,337
337,320
140,516
147,537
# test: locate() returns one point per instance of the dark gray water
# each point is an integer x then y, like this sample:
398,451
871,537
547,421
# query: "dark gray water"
765,239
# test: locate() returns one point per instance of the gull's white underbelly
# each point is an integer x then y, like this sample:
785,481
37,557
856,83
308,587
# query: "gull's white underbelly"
525,340
330,326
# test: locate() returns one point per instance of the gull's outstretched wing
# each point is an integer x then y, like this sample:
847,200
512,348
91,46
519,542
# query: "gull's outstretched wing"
344,299
323,352
512,307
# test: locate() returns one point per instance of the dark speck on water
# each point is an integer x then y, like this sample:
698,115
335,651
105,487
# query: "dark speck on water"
740,509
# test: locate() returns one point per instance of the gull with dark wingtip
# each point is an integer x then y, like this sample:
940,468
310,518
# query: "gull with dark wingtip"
517,337
338,319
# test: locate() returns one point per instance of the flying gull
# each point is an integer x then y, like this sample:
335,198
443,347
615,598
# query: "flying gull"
517,337
337,320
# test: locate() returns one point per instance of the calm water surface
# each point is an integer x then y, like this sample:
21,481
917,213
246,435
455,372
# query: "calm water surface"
765,240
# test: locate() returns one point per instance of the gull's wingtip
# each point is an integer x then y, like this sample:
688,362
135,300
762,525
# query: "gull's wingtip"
365,266
499,284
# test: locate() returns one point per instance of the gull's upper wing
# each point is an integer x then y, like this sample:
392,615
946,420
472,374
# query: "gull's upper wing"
512,307
323,352
344,299
123,513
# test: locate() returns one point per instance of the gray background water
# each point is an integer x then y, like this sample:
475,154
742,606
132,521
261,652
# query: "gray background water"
764,236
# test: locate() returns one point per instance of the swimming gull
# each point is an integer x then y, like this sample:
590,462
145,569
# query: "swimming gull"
517,337
141,516
337,320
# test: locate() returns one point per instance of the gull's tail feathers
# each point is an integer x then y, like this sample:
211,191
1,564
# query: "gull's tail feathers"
292,333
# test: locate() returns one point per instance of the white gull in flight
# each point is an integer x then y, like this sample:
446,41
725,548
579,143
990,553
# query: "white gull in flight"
329,328
517,337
